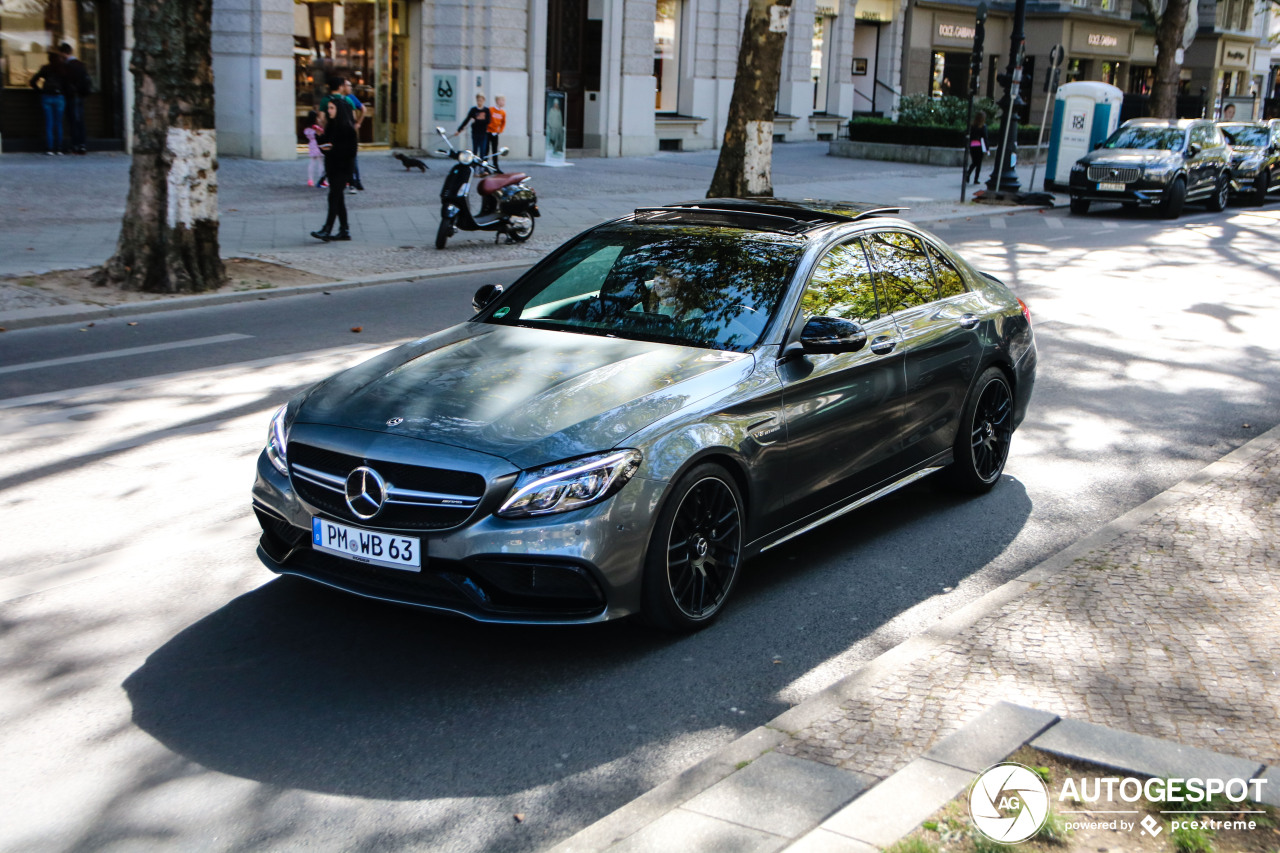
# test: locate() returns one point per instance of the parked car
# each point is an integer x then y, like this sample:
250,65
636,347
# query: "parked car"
1255,157
1160,163
660,399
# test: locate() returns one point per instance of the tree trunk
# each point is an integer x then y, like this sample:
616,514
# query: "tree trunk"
746,155
169,235
1170,25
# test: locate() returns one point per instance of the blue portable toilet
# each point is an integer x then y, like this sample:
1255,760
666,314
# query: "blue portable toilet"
1084,114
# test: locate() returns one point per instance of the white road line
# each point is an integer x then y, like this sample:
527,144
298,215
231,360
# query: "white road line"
1054,223
998,223
123,353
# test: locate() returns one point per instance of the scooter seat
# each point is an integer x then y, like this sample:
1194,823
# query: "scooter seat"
493,183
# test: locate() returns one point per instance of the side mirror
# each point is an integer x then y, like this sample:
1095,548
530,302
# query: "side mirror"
440,130
1097,145
832,334
1193,150
503,151
485,295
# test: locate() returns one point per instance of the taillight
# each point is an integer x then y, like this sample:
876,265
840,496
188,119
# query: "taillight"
1026,312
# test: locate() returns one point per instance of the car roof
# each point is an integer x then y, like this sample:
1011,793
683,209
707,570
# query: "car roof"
1180,123
763,213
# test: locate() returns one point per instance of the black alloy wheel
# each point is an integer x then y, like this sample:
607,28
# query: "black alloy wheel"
986,429
1261,187
1174,199
1221,193
696,551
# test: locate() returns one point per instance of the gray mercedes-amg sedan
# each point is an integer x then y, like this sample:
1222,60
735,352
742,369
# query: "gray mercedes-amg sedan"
658,400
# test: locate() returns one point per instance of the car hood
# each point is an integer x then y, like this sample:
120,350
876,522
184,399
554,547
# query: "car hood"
1129,157
531,396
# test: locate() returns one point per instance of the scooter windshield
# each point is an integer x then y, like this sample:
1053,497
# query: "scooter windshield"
702,286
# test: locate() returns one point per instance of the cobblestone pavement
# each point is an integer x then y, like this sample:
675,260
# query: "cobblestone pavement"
64,212
1170,630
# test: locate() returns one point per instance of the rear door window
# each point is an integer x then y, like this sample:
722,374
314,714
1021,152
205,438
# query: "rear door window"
950,282
903,272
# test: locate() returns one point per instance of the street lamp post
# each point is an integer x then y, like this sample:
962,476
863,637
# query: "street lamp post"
1004,177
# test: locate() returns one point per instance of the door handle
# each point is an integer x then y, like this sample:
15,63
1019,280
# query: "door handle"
968,321
883,345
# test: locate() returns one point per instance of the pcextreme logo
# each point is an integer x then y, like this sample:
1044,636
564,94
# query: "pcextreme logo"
1009,803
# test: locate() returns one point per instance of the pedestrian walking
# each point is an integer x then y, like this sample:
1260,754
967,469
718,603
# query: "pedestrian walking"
977,145
79,85
340,89
339,146
51,82
315,168
497,124
478,117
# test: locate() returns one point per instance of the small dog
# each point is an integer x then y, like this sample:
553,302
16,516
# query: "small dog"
410,163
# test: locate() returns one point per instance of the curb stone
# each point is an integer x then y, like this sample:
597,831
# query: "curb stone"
667,796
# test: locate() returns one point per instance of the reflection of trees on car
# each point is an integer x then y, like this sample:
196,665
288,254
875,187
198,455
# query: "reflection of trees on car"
1246,136
1146,139
904,273
842,286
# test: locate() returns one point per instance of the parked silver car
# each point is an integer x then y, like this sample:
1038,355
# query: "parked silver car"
658,400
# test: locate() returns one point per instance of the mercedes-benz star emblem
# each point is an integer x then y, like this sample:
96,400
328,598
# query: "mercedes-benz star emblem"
366,491
395,422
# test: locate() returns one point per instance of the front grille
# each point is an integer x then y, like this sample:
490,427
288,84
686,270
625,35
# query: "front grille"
1112,175
418,498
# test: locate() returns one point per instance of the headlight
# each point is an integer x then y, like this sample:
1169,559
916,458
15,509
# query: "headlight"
570,485
1078,167
277,437
1157,170
1251,164
466,158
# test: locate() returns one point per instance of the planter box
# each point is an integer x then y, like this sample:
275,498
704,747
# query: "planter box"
925,154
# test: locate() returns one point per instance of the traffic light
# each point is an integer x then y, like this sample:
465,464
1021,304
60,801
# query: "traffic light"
975,59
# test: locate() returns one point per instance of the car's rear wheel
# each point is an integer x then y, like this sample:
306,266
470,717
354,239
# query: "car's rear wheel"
1261,186
1221,192
696,551
1079,206
986,428
1173,201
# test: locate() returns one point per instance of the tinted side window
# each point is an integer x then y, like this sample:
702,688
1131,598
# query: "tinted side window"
902,270
842,286
950,282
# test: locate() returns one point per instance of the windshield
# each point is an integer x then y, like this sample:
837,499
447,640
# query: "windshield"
708,286
1245,135
1147,138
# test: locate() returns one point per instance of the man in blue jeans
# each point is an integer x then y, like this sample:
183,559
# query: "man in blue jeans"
78,85
51,82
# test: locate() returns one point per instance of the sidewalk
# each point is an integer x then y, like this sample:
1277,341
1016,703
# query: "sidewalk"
64,213
1163,623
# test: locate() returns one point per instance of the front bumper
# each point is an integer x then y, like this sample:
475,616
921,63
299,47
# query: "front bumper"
1145,191
572,568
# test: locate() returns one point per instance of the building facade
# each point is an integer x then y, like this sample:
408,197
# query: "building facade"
626,77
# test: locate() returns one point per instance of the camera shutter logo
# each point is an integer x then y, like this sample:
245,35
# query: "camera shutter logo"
1009,803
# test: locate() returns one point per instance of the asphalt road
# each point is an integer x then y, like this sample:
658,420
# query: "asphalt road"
161,690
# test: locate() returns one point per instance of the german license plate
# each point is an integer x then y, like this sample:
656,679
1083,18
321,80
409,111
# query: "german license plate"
1111,188
366,546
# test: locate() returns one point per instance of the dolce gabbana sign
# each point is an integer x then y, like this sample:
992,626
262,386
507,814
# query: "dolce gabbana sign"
955,31
1103,40
1095,40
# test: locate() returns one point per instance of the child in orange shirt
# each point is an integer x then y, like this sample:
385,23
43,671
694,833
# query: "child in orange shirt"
497,123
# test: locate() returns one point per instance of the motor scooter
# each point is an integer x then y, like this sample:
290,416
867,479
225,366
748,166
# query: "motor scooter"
508,205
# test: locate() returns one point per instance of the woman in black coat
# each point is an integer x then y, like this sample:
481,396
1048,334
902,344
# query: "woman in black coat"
338,142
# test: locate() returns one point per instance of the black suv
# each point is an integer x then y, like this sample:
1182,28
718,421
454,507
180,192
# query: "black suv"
1156,162
1255,157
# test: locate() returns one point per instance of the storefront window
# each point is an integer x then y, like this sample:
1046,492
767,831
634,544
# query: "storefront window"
1141,79
951,74
29,29
357,40
1077,69
666,56
1108,73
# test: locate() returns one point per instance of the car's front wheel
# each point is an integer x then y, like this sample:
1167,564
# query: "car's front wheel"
1079,206
986,428
696,551
1221,192
1261,187
1173,201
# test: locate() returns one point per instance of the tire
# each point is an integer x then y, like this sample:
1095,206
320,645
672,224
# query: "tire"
444,232
982,441
1173,201
1221,193
1260,188
1079,206
695,554
520,227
